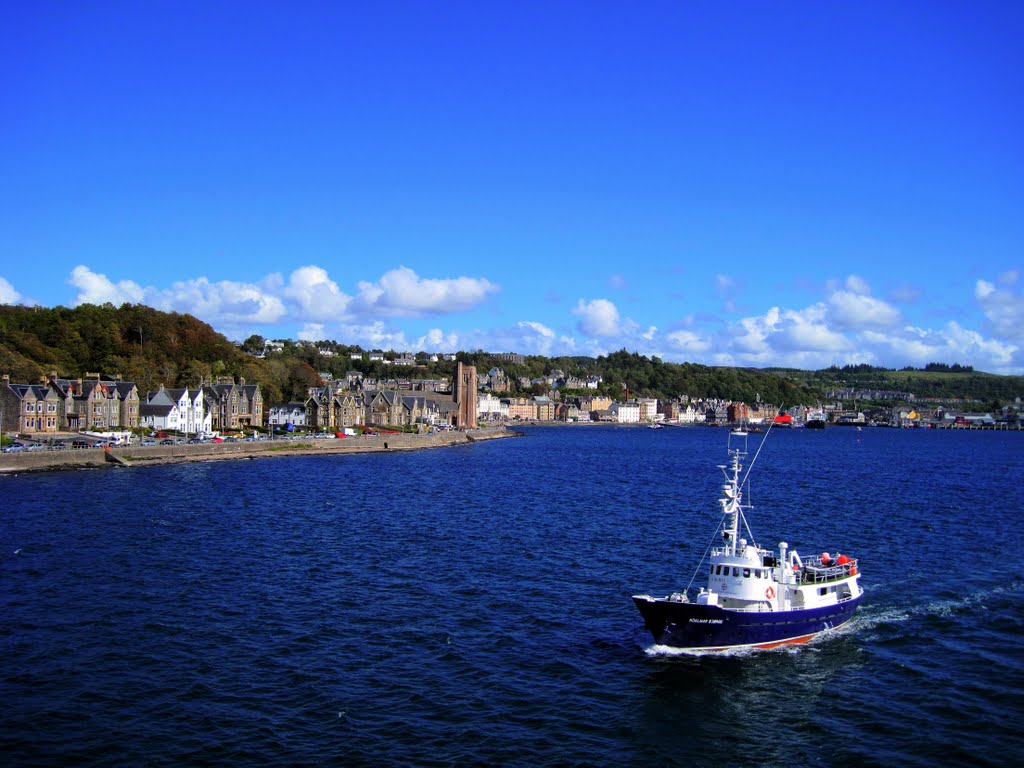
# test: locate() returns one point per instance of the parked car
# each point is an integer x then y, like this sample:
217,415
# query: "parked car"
13,448
217,440
167,441
148,441
35,447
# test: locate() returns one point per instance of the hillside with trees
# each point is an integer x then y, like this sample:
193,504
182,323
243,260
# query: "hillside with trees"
935,381
138,344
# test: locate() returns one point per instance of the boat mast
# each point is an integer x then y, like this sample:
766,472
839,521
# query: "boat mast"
731,501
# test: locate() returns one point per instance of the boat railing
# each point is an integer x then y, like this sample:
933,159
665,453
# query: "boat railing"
817,572
725,551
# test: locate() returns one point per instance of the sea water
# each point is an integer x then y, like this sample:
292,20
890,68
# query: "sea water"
471,606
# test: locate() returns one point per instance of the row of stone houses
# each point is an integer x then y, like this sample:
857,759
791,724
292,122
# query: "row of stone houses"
61,405
97,403
333,408
352,403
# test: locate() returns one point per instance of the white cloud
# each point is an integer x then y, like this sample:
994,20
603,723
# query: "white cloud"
436,340
533,338
784,337
402,293
855,308
920,346
859,285
95,288
316,295
225,302
598,318
310,296
1003,307
688,342
375,335
983,289
7,293
312,332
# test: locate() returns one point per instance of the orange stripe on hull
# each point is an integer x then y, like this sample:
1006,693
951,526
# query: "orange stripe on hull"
774,644
791,641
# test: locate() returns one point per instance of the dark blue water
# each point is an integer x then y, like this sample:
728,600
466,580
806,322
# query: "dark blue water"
471,606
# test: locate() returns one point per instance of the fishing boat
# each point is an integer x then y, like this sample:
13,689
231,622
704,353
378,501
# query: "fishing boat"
754,598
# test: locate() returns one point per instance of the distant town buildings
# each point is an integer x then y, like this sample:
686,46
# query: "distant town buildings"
395,398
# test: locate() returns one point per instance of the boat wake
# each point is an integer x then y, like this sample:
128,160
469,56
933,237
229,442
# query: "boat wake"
870,619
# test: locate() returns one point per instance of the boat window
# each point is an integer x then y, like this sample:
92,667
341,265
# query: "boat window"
746,573
736,572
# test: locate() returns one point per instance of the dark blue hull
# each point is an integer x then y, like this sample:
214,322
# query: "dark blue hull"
711,628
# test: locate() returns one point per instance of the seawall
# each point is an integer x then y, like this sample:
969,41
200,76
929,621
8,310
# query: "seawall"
137,455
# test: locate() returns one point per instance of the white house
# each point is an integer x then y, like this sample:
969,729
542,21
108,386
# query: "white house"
178,410
626,413
490,408
691,415
287,413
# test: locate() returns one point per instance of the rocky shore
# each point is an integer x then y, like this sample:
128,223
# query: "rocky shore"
136,455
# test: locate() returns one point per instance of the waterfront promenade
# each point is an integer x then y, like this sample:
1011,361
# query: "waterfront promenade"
139,455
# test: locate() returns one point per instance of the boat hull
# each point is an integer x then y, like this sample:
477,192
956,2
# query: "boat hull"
712,628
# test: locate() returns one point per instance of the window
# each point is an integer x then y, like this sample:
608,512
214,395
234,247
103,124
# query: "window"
746,573
736,572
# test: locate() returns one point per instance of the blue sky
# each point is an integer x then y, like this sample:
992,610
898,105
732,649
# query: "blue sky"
761,184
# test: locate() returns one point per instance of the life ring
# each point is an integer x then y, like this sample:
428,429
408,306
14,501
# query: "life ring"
770,593
853,570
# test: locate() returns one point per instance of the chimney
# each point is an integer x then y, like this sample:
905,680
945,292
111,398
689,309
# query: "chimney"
6,379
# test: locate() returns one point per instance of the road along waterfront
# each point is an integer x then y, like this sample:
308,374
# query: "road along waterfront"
148,455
